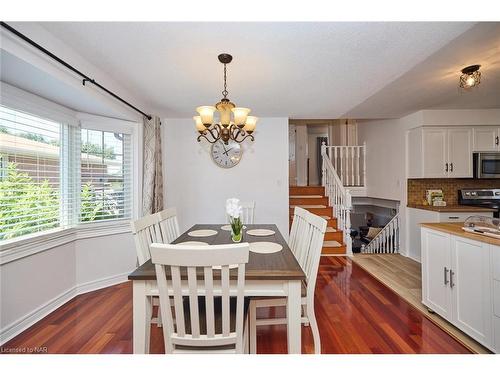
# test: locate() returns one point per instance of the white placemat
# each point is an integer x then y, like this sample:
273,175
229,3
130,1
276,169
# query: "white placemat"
228,227
202,233
193,243
265,247
261,232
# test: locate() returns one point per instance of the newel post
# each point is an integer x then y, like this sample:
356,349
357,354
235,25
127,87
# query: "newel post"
323,166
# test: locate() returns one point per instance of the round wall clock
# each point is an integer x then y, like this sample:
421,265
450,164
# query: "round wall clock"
226,156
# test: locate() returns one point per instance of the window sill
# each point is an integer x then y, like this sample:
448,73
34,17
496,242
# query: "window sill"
19,248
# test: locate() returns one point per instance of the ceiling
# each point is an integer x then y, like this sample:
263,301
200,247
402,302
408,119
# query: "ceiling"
433,84
297,70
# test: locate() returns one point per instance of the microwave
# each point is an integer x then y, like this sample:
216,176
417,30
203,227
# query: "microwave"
486,164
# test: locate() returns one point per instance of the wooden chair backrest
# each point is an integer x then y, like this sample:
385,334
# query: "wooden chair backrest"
173,260
169,225
306,241
146,230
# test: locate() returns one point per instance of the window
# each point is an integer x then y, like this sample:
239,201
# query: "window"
55,175
105,177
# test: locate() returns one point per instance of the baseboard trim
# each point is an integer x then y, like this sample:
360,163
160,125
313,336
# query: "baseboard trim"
25,322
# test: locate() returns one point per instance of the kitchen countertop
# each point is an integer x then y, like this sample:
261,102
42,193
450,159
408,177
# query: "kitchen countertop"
456,208
456,229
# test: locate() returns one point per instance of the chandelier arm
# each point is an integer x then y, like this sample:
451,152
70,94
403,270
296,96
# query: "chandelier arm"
236,132
247,136
204,136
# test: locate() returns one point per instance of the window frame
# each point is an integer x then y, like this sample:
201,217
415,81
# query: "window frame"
73,229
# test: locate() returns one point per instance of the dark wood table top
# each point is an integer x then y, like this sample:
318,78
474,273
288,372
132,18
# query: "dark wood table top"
281,265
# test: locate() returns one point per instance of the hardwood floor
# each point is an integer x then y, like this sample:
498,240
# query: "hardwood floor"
403,275
355,313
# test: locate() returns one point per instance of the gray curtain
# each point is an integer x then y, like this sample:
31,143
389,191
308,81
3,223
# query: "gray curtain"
152,183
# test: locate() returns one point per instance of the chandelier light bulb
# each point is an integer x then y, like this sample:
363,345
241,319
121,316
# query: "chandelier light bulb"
250,124
240,115
207,114
199,125
470,81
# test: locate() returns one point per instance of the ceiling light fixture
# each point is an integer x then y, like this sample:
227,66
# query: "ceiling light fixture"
237,127
470,77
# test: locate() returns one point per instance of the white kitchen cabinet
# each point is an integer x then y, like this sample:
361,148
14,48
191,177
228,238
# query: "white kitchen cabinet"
435,153
470,286
416,216
436,258
440,152
486,138
458,283
459,152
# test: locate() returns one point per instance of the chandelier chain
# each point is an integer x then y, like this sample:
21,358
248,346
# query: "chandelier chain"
225,92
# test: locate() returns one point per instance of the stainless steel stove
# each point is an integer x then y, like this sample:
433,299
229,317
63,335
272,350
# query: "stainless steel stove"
489,198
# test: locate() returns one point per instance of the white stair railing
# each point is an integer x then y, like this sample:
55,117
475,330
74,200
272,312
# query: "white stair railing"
387,240
338,197
349,162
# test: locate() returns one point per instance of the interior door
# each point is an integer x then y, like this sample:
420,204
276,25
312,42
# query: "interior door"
471,288
460,152
434,153
435,272
485,138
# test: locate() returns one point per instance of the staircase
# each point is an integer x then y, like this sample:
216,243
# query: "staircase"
312,199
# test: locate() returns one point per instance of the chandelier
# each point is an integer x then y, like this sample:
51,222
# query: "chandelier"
234,122
470,77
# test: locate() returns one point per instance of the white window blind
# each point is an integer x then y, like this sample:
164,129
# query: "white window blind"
30,174
105,175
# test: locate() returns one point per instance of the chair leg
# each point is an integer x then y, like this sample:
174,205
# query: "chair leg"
246,343
159,321
252,312
315,331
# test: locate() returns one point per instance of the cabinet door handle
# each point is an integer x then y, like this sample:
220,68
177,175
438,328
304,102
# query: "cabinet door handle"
445,276
496,140
451,279
446,167
451,167
453,217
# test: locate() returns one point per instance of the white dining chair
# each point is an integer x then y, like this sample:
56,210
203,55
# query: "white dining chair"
145,231
209,320
306,240
247,212
169,225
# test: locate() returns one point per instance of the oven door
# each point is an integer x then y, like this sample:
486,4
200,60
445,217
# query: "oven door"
486,164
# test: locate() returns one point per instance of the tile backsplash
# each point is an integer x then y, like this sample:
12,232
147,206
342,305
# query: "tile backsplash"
450,186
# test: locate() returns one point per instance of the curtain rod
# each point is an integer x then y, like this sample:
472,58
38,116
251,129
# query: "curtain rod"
70,67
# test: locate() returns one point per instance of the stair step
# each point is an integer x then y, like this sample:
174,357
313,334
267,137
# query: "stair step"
320,211
308,205
341,250
331,222
333,247
331,244
307,190
330,229
300,201
334,236
305,196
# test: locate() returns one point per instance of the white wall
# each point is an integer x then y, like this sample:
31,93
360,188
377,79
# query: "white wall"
199,188
33,286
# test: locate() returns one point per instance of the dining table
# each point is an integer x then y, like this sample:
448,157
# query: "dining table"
276,274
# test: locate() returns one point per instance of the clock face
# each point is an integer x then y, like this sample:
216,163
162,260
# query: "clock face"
226,156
